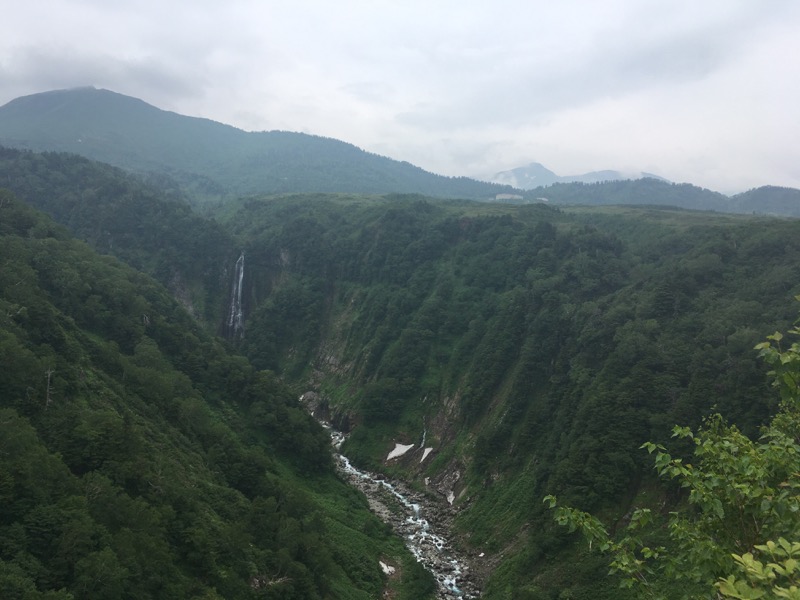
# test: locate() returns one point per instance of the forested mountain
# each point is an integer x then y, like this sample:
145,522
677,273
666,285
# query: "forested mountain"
533,350
121,214
647,191
523,350
141,459
211,160
767,200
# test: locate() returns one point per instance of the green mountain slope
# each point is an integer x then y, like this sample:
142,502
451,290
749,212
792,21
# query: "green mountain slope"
138,222
140,459
767,200
645,191
210,159
532,349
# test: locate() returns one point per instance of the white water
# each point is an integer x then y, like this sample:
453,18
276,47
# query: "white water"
425,451
236,317
429,548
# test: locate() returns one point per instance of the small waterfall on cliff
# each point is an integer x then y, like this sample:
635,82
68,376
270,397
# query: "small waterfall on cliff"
236,316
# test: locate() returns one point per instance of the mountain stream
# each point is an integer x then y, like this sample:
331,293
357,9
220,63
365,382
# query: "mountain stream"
411,515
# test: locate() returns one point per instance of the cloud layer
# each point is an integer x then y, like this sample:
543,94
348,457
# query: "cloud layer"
706,92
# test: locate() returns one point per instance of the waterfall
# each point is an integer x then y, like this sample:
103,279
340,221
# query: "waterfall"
236,317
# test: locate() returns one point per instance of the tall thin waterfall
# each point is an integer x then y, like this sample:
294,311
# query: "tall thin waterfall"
236,317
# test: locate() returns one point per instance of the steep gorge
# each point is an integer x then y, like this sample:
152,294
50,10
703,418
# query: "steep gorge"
535,349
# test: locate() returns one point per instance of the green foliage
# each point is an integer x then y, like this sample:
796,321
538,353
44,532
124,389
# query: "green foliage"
209,160
645,191
539,347
743,503
778,578
139,459
119,214
785,364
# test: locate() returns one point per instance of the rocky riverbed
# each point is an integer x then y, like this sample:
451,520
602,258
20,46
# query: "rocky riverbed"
422,521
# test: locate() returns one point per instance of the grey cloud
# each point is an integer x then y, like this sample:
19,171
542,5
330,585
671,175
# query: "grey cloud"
525,89
531,91
36,70
370,91
442,84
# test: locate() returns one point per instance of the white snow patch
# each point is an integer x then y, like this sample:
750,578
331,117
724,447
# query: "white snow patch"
399,450
451,497
425,454
387,569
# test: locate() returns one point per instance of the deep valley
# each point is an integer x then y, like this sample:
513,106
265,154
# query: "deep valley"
477,356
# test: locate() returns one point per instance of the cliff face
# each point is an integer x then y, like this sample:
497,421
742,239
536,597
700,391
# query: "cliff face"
512,352
508,337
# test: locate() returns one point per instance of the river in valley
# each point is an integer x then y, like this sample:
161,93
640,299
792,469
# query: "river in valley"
422,522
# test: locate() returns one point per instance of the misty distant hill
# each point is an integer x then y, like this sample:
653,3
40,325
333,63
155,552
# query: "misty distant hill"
644,192
537,175
770,200
766,200
210,159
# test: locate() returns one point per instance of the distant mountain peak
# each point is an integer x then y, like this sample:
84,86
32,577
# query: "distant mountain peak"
526,178
536,175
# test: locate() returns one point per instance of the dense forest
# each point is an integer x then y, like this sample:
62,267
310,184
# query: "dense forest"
147,224
766,200
535,348
735,536
139,458
532,348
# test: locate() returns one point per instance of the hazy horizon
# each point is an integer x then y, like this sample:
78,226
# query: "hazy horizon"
700,93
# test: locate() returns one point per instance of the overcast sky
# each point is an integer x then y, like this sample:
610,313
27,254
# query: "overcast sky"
702,91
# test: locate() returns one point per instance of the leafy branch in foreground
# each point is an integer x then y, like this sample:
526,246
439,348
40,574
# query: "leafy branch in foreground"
739,536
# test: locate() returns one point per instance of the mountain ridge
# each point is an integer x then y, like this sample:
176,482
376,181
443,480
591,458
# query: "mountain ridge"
208,158
535,175
142,458
211,162
532,348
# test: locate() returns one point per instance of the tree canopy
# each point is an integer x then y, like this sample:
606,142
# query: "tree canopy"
141,458
737,532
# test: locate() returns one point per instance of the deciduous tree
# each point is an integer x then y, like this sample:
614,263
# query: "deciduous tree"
738,533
